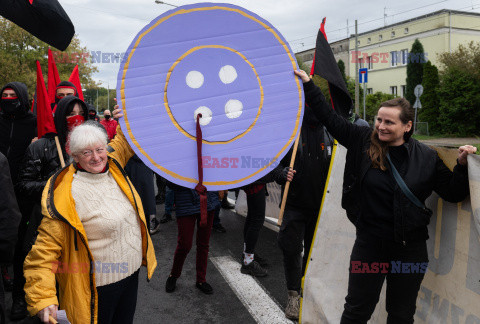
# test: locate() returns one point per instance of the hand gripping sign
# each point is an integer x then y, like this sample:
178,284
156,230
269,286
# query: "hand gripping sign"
226,63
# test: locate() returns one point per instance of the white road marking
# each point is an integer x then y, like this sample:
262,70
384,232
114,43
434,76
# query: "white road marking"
258,303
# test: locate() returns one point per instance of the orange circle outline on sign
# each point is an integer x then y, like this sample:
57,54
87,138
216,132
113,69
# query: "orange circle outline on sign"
193,180
170,114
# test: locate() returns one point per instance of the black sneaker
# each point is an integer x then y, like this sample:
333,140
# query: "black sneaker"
254,269
219,228
171,284
154,225
261,261
204,287
19,310
166,218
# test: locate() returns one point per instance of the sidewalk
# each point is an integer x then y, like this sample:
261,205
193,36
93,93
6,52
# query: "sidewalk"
452,142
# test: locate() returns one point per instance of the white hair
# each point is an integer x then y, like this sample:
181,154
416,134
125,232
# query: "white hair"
83,136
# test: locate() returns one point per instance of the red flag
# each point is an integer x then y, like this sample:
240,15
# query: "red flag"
45,122
53,77
75,79
322,30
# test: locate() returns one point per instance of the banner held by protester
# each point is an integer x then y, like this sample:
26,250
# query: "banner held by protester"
239,76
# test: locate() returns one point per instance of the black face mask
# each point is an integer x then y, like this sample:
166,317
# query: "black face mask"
10,106
107,117
91,116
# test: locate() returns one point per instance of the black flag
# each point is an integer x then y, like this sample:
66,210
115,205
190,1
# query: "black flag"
44,19
325,66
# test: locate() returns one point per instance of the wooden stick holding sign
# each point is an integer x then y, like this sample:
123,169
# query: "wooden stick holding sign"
287,185
60,154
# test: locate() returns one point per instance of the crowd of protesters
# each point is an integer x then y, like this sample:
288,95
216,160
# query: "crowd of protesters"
100,208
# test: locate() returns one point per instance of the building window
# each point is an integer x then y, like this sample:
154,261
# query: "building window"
369,63
369,40
341,47
333,50
405,30
393,90
311,56
393,58
404,91
358,42
404,54
393,34
380,37
369,91
361,61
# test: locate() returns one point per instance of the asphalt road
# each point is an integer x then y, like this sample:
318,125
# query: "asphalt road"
227,304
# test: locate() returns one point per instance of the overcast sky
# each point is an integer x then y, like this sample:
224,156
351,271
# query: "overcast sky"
110,25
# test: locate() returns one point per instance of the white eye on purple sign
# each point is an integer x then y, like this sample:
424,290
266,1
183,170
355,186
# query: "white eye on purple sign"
230,66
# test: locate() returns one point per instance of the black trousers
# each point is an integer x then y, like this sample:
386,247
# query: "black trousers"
117,301
402,284
296,235
256,204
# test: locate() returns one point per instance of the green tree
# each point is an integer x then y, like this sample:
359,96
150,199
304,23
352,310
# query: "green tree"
459,91
373,102
341,66
19,50
459,95
430,103
416,60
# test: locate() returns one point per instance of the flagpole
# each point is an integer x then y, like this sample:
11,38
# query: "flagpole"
60,154
287,185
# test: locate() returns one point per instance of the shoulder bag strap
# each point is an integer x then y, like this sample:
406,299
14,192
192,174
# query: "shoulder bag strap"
403,186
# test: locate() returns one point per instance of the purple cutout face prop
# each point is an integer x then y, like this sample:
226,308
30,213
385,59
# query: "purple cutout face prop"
226,63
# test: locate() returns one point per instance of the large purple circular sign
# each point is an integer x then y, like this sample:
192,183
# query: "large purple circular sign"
226,63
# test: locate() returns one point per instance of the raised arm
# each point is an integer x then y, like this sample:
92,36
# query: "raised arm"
119,147
342,130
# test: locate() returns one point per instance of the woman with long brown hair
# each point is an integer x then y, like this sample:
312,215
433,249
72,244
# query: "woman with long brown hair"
384,195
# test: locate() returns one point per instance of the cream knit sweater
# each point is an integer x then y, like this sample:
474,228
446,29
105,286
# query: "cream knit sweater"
111,224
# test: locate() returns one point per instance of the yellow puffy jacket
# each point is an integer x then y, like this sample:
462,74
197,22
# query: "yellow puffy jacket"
62,241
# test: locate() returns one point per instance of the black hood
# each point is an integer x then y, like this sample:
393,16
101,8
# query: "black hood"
92,109
64,108
22,94
68,84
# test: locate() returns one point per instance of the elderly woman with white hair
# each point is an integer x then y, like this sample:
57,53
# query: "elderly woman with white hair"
93,237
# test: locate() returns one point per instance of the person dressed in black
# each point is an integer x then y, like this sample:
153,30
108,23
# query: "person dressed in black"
390,227
9,219
41,161
303,203
17,130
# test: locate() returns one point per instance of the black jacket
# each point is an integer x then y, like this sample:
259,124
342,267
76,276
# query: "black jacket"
9,214
40,163
42,159
18,130
311,165
425,173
